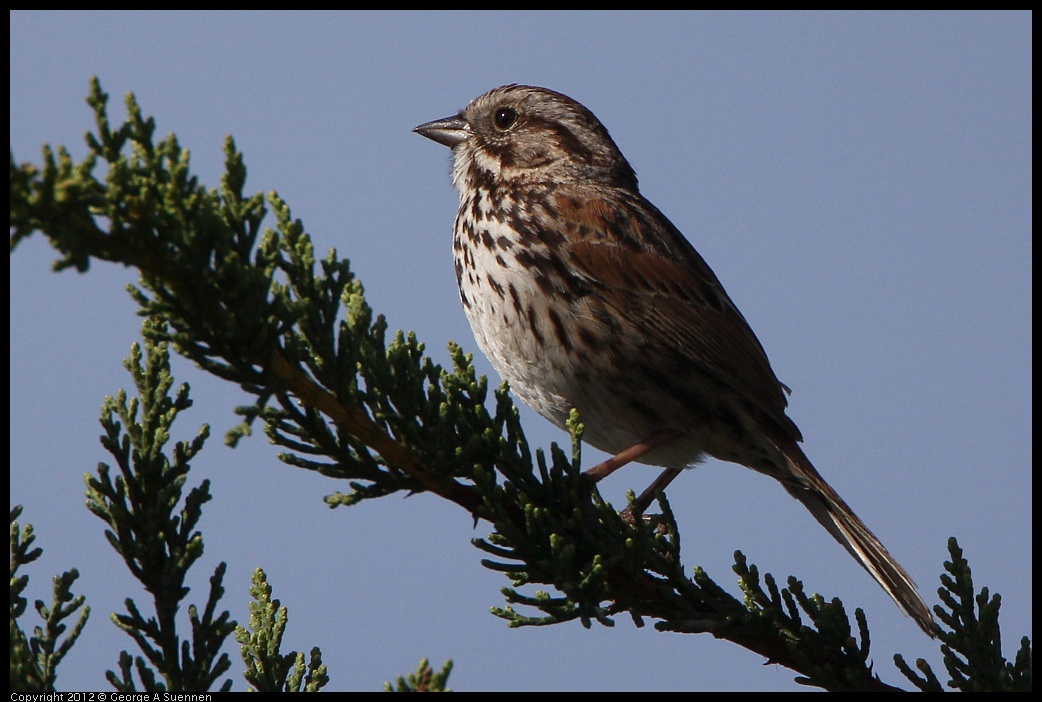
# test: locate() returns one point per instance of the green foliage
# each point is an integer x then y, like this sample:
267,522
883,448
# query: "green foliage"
341,398
155,531
267,670
35,659
972,647
423,680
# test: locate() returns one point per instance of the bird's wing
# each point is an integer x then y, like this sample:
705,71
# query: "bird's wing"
669,298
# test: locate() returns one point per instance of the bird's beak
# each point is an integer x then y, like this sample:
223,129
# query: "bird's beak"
449,131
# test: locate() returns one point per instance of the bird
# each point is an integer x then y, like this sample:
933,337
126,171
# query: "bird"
583,295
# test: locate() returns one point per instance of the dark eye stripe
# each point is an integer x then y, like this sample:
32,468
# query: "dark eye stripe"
564,137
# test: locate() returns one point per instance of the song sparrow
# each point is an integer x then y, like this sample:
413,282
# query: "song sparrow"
582,294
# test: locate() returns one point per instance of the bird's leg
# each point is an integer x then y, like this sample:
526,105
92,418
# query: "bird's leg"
644,501
603,470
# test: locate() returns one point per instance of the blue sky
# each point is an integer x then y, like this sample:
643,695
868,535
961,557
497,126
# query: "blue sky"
861,183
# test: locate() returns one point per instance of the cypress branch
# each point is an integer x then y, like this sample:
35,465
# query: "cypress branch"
256,307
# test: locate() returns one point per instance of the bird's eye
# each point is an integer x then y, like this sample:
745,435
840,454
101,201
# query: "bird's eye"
505,118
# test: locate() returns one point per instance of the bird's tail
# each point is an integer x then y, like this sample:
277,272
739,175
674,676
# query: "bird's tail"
839,519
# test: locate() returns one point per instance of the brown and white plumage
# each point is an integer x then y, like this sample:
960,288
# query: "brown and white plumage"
584,295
